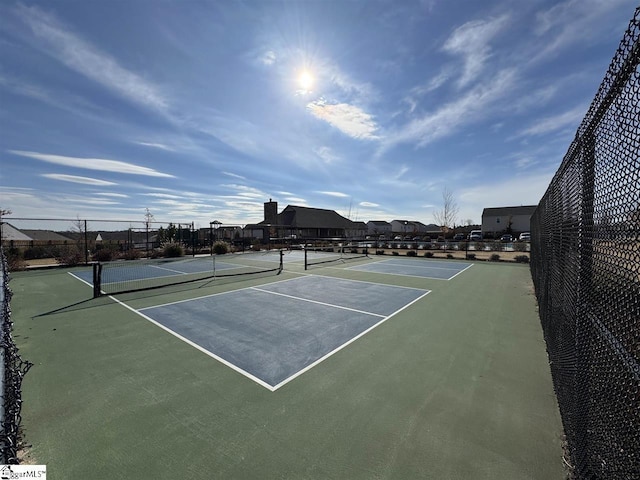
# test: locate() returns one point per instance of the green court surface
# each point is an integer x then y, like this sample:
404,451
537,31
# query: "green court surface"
454,386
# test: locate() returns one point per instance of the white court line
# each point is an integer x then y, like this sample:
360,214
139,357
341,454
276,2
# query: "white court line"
317,302
167,269
249,375
349,342
78,278
389,262
461,272
209,295
197,347
407,274
352,280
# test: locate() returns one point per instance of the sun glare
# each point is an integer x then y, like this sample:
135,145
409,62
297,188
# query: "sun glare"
305,80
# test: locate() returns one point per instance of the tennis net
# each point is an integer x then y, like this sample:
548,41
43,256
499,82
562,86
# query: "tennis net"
330,254
131,276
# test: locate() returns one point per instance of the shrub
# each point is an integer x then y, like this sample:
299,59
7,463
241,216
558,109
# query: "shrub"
522,258
15,261
70,255
103,255
494,257
520,247
220,248
449,256
173,250
132,254
471,256
379,252
428,254
395,253
412,253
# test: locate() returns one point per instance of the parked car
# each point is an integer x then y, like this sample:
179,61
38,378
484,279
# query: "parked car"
506,238
397,237
458,237
475,235
525,237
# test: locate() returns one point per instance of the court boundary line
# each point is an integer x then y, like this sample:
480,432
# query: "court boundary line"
347,343
81,279
352,280
271,388
398,261
317,302
208,295
196,346
355,268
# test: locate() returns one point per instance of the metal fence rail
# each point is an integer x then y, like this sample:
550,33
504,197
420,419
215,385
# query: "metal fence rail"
12,370
585,263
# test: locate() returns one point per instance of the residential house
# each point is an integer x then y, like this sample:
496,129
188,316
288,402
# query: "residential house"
514,220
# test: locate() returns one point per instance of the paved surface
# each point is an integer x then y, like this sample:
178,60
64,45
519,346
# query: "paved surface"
455,386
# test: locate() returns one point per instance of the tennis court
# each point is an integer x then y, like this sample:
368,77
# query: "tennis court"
414,267
270,342
332,373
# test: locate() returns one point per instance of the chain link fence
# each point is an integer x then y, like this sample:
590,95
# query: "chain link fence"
12,369
585,263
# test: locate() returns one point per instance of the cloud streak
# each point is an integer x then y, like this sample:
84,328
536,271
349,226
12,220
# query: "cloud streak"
471,42
76,179
349,119
93,164
89,61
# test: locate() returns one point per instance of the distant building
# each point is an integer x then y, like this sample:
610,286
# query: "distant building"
512,220
306,222
378,227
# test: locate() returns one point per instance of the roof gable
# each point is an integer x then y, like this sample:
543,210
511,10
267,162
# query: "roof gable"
500,211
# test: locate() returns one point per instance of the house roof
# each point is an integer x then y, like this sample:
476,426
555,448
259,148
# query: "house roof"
307,217
501,211
378,222
45,235
9,232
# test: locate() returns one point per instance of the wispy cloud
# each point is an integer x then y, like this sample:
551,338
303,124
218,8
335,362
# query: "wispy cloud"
160,146
349,119
471,42
574,21
468,108
234,175
84,58
368,204
163,195
296,200
335,194
76,179
93,164
113,195
268,58
326,154
570,118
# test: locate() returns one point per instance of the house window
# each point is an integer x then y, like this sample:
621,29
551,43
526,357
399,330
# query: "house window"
498,220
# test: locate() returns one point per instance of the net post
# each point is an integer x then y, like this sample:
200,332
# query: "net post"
97,276
281,262
305,259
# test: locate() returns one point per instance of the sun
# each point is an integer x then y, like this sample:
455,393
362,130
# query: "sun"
305,80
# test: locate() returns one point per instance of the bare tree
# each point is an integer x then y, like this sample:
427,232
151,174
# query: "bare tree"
447,216
3,212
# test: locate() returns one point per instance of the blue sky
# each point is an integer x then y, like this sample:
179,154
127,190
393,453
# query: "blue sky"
202,111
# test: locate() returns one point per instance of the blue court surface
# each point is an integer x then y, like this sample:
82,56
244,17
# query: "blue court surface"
275,332
415,267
